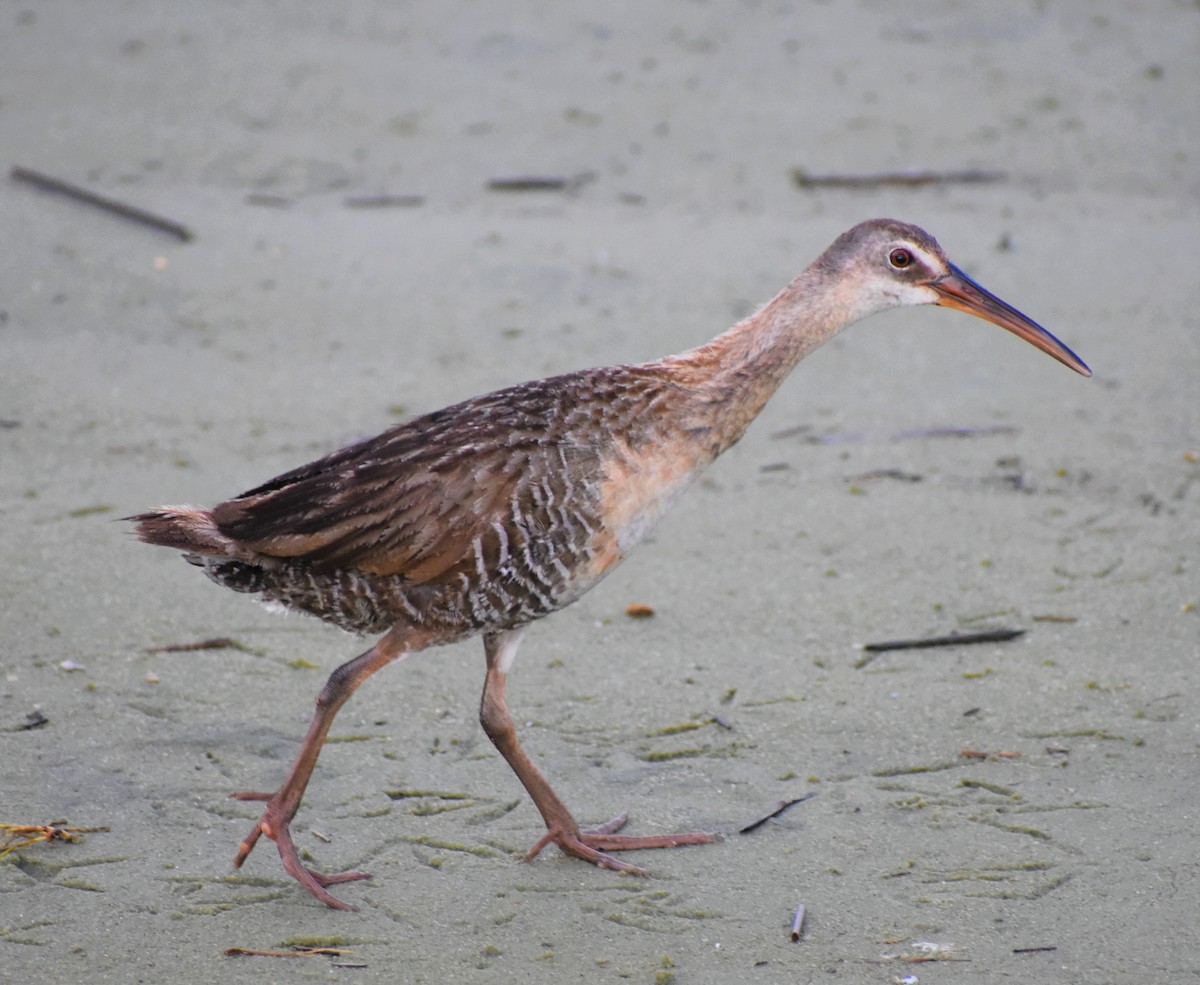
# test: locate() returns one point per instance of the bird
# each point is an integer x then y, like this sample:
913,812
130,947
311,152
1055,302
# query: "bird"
482,517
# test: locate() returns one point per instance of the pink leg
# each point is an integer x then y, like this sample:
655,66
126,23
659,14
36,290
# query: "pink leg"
561,828
284,802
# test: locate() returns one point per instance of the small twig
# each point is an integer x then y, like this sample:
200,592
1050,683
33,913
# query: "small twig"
529,184
541,183
32,834
775,811
892,179
955,432
1035,950
798,923
298,952
270,201
718,720
382,201
59,187
33,719
898,474
954,639
216,643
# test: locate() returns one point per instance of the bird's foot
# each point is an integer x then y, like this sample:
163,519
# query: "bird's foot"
274,823
592,844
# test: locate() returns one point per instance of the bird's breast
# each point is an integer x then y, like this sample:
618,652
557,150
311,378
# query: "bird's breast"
637,488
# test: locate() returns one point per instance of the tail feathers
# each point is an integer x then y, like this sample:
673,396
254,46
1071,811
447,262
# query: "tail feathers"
185,528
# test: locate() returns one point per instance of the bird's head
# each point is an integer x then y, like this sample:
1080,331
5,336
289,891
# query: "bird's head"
886,264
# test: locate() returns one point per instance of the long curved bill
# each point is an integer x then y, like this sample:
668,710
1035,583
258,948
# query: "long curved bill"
957,290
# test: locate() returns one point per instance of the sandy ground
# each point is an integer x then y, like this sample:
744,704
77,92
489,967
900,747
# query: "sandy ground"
137,370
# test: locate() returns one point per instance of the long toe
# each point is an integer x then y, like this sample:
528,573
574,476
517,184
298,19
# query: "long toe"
314,882
331,879
609,827
629,843
593,844
579,845
604,837
276,826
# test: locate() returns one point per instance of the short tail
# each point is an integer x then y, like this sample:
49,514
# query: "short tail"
185,528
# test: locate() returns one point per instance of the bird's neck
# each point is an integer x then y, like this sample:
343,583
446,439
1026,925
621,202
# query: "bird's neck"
735,374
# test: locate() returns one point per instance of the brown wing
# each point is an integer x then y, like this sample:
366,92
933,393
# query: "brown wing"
412,500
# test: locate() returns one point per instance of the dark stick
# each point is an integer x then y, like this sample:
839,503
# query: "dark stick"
1034,950
383,201
530,184
34,719
904,179
59,187
954,639
542,182
775,811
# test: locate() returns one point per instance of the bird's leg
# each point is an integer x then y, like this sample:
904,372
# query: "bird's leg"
284,802
561,828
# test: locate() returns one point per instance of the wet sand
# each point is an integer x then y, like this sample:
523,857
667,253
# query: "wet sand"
137,370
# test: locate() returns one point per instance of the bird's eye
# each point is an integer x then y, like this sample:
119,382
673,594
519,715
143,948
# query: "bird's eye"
900,258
